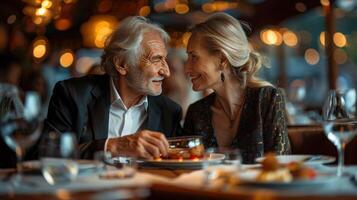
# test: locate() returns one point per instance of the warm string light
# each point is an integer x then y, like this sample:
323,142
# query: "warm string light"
97,29
325,2
42,11
277,37
290,38
218,6
40,48
182,8
339,39
271,37
144,11
66,58
312,56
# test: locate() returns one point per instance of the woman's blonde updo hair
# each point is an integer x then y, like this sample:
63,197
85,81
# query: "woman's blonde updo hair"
223,33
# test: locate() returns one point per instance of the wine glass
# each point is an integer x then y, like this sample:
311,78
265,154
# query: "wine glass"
340,123
223,172
20,125
58,157
101,159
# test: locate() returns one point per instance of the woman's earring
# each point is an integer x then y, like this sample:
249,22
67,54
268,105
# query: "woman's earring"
222,77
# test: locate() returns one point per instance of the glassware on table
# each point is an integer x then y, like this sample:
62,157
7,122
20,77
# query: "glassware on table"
186,147
102,159
126,167
221,172
340,123
58,157
20,124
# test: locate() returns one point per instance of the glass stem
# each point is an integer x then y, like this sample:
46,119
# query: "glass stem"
19,155
341,158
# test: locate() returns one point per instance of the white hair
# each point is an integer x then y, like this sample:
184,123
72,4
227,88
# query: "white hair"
124,44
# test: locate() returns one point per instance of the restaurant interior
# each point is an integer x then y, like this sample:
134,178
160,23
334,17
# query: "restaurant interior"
310,49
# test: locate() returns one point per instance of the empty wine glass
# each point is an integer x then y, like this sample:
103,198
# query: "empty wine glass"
340,123
58,157
20,125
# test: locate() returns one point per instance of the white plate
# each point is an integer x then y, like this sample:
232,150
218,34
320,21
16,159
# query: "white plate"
182,164
82,164
248,177
306,159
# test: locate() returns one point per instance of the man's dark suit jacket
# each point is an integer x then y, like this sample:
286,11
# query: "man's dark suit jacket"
81,105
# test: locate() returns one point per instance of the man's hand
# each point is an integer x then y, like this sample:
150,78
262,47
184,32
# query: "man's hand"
144,144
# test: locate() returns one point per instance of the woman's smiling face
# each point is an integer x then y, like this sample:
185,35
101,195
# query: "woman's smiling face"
202,67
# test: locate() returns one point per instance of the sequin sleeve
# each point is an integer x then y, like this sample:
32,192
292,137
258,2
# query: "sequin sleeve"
275,124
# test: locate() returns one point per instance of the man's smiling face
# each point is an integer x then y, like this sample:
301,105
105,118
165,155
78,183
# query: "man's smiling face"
148,75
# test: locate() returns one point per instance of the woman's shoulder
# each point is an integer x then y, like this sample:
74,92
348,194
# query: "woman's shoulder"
203,103
263,91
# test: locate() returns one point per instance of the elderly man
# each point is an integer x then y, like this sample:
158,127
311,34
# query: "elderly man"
121,111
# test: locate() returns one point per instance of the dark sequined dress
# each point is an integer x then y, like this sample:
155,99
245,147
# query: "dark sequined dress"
262,127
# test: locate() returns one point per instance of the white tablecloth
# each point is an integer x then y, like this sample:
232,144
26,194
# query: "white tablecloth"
195,179
336,186
36,184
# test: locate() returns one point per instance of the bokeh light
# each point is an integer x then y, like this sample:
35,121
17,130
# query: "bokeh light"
66,58
208,7
39,51
40,47
144,11
325,2
46,4
11,19
340,56
339,39
290,38
63,24
271,37
312,57
322,38
301,7
97,29
182,8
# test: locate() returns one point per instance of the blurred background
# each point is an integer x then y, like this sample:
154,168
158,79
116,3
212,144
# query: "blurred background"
311,45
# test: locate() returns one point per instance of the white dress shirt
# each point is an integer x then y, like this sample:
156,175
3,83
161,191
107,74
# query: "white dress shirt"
124,121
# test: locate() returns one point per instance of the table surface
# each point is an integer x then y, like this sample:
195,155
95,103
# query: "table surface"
171,184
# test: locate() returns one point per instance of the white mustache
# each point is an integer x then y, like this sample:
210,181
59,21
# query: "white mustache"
158,79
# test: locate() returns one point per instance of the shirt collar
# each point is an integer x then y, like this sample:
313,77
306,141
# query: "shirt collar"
115,97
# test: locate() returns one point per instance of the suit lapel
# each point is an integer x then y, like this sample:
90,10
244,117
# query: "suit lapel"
99,109
154,115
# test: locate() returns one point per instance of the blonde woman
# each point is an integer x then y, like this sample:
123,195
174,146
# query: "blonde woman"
243,111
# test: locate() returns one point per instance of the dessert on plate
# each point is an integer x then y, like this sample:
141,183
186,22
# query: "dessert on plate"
273,171
185,148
